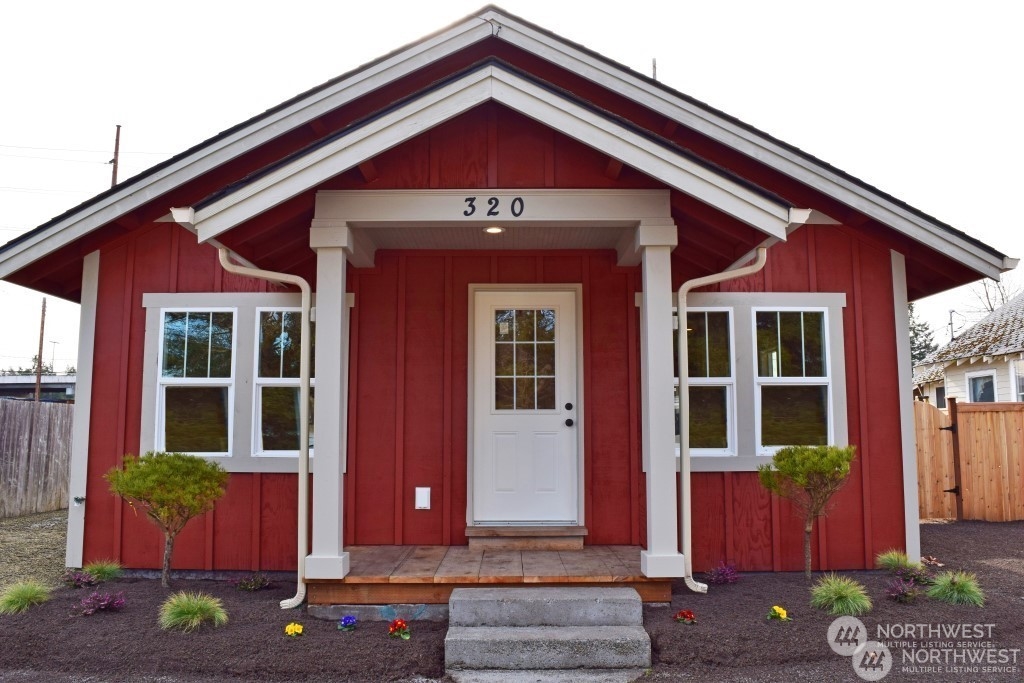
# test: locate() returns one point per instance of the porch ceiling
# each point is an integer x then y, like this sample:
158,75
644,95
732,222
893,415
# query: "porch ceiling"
517,236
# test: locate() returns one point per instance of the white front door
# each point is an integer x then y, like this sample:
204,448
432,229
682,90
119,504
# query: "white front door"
525,417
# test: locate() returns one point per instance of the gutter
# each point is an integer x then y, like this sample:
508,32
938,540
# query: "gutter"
684,409
304,353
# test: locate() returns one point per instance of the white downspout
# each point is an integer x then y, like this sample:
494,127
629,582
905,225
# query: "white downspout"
304,352
684,409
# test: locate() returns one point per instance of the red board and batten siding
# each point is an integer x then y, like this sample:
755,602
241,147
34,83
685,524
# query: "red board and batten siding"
734,519
407,418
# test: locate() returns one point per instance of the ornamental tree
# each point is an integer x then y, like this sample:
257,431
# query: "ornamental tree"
171,488
807,476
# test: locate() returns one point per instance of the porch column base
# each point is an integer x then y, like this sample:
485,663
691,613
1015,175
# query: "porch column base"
654,565
327,566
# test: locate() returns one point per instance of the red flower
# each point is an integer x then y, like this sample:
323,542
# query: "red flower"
685,616
399,629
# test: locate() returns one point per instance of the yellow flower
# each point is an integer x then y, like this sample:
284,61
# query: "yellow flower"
781,612
293,629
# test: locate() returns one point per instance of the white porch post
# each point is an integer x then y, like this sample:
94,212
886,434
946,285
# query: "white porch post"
655,240
330,240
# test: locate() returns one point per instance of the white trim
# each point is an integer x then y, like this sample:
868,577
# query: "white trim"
905,390
482,85
259,383
246,138
468,32
577,290
968,376
750,143
327,558
761,381
78,471
662,556
242,457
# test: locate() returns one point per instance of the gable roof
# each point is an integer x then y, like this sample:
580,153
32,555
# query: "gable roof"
492,22
1000,333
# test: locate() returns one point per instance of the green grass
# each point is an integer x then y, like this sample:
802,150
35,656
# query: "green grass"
839,595
892,560
22,595
103,570
957,588
188,611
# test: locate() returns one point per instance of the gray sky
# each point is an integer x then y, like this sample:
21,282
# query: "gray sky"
921,99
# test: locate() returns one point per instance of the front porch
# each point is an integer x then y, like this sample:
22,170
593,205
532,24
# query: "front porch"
390,574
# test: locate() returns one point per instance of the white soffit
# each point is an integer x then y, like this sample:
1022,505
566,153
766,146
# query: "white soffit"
512,90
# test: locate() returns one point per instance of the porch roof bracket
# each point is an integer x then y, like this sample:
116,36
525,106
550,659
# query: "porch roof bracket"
650,232
359,249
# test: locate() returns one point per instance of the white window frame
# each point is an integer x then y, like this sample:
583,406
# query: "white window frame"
748,457
815,381
261,382
728,382
164,382
1017,370
982,373
242,456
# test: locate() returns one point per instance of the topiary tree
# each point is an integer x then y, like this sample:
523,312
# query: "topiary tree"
807,476
171,488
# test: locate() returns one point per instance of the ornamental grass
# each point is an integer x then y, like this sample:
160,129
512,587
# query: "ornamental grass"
20,596
188,611
840,596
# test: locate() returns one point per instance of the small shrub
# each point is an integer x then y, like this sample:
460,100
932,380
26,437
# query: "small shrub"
188,611
957,588
104,570
840,595
892,559
77,578
723,574
904,591
253,582
20,596
100,602
917,573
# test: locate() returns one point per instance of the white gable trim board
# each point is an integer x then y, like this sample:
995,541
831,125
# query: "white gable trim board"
493,22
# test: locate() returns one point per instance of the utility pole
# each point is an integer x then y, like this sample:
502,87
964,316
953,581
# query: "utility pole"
117,152
39,356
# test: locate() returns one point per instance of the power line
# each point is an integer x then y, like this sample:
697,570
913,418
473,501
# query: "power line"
42,190
67,149
76,161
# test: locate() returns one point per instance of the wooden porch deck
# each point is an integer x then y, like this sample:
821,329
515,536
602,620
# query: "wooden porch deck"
386,574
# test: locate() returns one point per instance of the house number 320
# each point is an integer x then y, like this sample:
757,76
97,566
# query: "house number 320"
493,206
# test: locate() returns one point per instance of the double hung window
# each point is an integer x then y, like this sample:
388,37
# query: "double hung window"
765,370
278,342
196,383
981,387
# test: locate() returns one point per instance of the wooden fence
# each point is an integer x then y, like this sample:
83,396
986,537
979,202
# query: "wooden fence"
982,460
35,449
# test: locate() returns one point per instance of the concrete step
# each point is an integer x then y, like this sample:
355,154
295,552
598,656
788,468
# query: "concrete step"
546,676
573,607
547,647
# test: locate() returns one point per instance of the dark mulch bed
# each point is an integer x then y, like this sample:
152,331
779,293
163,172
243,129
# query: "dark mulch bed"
731,642
734,642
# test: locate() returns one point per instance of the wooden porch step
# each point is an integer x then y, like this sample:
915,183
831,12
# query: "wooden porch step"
526,537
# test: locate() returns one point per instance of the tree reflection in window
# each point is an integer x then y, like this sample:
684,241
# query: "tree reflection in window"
197,344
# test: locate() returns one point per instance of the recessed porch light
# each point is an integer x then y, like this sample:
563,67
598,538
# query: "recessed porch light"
494,230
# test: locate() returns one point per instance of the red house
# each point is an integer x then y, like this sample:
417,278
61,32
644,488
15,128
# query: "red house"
496,225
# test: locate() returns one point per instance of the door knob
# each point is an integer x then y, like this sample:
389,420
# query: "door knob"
568,406
569,422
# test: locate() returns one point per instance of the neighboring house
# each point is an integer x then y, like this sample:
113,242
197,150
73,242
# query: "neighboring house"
985,363
495,222
55,388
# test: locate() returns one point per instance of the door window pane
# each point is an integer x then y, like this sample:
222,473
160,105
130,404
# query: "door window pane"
794,415
524,359
196,419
